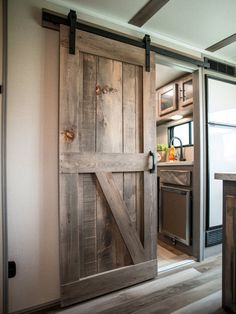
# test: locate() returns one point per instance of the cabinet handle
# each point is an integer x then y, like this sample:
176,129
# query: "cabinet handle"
153,162
180,93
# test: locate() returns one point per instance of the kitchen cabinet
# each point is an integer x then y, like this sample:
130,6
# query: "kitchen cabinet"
167,99
175,98
186,91
175,204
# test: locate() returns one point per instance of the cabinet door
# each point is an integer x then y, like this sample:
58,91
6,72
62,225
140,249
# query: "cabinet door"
186,91
229,250
167,99
175,213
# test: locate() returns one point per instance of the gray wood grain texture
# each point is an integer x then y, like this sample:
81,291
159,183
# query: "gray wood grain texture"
229,240
104,123
176,302
124,300
68,214
111,248
104,282
69,232
179,291
113,162
121,215
179,177
69,96
139,138
129,136
87,182
150,182
110,49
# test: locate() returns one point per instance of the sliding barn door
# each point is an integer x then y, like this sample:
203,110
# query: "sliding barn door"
107,193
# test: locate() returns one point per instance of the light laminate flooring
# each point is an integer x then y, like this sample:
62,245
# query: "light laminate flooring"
193,289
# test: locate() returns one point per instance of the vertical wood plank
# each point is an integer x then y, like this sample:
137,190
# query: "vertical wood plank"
130,139
129,135
69,96
139,148
87,225
87,102
69,233
109,140
150,188
87,183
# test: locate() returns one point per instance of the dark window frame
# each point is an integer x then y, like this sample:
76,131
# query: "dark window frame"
190,130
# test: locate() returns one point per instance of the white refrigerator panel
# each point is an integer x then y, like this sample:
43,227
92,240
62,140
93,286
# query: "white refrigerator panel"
222,158
221,102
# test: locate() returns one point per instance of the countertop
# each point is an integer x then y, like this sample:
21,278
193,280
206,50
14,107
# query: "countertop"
227,176
175,163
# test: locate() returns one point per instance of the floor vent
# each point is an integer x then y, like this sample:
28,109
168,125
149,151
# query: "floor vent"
221,67
214,237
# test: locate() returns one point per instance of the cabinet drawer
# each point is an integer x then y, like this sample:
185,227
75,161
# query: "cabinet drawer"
176,177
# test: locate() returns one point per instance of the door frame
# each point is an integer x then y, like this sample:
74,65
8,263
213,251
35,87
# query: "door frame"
199,141
215,249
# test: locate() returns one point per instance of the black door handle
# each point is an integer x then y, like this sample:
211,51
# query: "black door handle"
153,161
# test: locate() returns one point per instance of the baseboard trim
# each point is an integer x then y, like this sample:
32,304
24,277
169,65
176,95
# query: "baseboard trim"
40,308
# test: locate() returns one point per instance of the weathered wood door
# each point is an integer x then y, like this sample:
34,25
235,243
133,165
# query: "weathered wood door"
107,193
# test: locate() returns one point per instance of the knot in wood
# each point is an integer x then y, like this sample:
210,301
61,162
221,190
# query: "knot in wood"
69,135
106,89
98,90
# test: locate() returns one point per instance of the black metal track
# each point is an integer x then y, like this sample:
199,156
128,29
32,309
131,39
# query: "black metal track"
53,20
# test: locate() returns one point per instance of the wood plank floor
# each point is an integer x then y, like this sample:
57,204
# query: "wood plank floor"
192,289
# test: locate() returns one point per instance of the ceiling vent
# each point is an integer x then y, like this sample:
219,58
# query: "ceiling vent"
221,67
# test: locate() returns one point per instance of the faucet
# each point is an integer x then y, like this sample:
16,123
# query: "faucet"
181,158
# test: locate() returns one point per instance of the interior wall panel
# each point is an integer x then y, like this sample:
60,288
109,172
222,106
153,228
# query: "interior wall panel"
32,148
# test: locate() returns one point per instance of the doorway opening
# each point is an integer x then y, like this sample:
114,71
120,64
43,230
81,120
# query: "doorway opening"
175,165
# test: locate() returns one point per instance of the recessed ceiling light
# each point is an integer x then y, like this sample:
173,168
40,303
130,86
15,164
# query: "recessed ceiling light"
177,117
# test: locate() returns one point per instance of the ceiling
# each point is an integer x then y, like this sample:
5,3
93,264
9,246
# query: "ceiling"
165,74
196,24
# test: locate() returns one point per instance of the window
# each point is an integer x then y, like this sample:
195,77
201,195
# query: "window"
183,131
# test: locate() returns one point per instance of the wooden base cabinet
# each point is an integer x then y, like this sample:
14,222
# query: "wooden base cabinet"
229,251
229,246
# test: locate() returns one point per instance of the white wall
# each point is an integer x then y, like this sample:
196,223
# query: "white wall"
32,120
